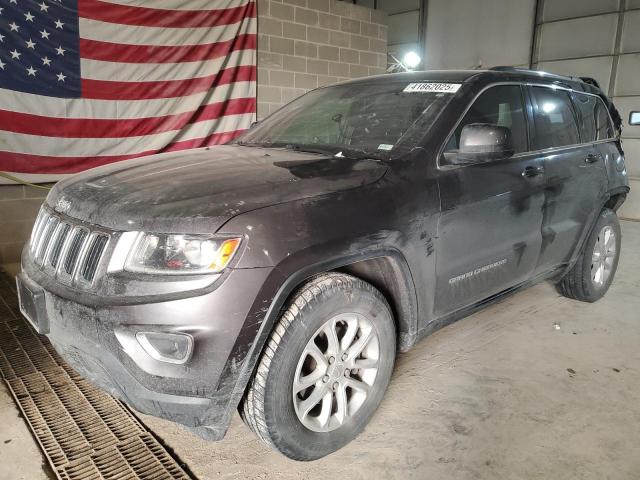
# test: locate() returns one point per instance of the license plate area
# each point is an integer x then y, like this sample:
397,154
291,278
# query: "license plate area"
32,304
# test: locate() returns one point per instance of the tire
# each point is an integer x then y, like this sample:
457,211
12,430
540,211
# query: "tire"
331,302
586,281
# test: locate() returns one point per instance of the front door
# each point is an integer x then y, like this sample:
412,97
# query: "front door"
489,232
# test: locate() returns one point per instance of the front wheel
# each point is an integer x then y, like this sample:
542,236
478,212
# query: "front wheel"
324,370
591,276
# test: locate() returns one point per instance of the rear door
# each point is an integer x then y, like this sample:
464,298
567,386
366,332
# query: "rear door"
489,230
574,168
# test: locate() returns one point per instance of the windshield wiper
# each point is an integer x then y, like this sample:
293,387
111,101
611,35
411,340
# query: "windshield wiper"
334,150
339,151
308,149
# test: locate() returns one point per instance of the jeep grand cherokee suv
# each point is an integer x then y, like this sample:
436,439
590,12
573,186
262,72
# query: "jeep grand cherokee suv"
281,273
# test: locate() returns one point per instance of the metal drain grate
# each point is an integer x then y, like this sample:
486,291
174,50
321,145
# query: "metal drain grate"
84,433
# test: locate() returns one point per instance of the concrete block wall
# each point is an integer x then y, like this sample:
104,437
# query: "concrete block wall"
19,206
304,44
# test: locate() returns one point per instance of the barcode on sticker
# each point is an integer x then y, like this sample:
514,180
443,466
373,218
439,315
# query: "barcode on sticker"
431,87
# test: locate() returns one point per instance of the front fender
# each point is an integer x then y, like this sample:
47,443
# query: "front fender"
281,283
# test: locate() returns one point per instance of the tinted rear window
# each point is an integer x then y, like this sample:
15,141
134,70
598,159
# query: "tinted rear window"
555,121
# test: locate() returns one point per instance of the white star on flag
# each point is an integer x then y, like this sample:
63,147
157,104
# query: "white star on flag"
1,38
59,24
31,71
15,54
44,34
60,50
2,64
31,44
14,27
46,61
28,16
61,77
44,7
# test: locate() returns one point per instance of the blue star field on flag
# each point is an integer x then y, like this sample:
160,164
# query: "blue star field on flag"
39,47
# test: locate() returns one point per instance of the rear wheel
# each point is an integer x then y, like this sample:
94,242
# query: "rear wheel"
591,276
324,370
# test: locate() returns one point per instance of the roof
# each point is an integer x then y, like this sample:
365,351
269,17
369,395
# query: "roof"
491,75
417,76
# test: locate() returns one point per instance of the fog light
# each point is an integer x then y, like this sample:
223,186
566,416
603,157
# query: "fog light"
166,347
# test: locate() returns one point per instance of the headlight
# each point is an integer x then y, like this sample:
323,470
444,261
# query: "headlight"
180,254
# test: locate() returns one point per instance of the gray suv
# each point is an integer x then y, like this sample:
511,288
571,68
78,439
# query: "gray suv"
281,274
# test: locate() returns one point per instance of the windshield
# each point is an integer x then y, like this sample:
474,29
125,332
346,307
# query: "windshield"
347,119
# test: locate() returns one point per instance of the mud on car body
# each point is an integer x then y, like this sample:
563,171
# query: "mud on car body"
281,273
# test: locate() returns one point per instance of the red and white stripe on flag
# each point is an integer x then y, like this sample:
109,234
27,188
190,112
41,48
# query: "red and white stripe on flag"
176,76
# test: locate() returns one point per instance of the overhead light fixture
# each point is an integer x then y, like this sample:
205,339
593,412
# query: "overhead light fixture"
411,60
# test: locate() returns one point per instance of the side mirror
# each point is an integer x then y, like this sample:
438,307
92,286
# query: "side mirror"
634,118
483,142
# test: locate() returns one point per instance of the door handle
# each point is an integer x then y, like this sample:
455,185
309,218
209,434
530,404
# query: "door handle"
592,158
532,171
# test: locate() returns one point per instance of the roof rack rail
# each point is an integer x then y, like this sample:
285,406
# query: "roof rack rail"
503,68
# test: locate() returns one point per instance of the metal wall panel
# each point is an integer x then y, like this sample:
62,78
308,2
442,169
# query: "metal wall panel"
624,106
632,156
559,9
403,27
397,6
580,37
596,67
628,76
631,32
631,208
471,34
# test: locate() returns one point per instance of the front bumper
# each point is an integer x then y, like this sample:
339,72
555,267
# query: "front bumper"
86,354
98,340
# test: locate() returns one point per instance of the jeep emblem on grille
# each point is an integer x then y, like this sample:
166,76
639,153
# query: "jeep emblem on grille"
63,205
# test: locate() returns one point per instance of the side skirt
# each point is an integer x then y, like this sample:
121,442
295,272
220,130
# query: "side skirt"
448,319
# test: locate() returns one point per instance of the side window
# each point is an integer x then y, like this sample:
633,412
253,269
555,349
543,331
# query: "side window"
554,119
595,123
502,106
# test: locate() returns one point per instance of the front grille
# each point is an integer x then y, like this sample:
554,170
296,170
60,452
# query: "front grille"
94,253
73,253
67,249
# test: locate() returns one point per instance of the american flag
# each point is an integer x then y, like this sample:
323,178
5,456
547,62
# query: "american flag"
88,82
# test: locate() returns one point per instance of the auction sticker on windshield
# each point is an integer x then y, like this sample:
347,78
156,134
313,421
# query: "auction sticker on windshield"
432,87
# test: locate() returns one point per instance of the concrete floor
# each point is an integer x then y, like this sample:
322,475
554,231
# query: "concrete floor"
535,387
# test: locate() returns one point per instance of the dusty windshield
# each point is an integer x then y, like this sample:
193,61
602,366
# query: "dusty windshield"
348,119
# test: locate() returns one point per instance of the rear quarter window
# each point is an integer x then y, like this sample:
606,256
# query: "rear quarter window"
595,123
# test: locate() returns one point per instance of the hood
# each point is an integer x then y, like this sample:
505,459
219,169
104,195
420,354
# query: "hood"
199,190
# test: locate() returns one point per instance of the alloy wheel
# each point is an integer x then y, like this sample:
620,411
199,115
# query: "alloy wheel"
336,371
604,253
